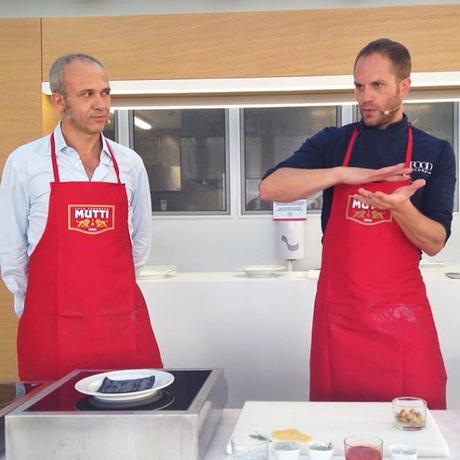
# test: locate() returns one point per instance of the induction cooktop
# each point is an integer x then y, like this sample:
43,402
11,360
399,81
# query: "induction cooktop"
177,396
178,419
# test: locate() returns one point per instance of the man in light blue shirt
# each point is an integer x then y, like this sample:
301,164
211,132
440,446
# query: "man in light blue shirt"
60,266
24,197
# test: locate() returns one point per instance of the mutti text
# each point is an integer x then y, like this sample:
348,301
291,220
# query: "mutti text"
91,213
356,204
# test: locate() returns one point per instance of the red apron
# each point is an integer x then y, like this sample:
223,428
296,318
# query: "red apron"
373,335
83,308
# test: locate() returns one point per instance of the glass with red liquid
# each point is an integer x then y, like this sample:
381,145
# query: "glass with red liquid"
363,447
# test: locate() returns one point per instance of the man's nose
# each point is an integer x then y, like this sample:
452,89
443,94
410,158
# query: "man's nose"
367,94
100,102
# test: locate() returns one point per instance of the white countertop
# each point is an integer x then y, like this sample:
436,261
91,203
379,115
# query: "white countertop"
429,271
448,422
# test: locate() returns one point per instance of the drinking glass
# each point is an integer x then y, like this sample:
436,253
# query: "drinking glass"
363,447
409,413
247,448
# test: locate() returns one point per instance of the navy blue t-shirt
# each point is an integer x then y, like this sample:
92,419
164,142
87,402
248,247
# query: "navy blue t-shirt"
432,159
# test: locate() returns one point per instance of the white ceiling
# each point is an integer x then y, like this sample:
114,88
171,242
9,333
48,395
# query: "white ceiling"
32,8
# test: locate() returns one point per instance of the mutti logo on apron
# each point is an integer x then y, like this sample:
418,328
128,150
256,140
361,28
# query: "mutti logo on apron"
91,219
365,214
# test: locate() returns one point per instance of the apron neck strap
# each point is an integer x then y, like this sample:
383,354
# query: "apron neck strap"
53,159
115,164
56,169
351,143
410,146
354,135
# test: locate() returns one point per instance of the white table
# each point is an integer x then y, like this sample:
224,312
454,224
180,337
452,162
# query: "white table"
448,422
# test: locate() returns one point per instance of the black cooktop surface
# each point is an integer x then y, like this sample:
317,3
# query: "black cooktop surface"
177,396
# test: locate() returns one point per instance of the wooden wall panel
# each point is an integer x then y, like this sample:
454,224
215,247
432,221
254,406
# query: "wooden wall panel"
254,44
20,122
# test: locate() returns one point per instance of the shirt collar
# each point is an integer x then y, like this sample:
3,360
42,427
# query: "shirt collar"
399,126
61,145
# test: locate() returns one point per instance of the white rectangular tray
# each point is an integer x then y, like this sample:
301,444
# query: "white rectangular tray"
333,421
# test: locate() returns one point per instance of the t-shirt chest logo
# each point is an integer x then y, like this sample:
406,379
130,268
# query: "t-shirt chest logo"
91,219
365,214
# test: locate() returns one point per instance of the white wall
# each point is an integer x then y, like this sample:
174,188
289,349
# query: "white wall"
258,329
224,243
27,8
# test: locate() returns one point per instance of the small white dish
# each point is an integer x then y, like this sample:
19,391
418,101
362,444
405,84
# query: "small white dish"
261,271
403,452
90,385
286,450
247,447
158,271
320,450
431,264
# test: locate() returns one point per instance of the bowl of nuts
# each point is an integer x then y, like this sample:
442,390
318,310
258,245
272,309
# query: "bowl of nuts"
409,413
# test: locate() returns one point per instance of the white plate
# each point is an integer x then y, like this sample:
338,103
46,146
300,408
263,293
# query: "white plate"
90,385
432,263
262,270
160,271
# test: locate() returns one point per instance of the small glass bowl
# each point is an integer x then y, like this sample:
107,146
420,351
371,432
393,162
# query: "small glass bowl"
409,413
403,452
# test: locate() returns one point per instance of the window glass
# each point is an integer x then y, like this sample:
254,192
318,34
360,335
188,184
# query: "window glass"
437,119
184,152
110,131
270,135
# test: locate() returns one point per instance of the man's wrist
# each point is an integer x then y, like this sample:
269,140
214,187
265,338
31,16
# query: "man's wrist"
338,176
402,208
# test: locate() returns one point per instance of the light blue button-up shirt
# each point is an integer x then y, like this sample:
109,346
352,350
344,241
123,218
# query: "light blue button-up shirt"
24,198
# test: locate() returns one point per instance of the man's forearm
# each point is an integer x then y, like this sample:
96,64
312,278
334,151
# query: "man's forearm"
425,233
289,184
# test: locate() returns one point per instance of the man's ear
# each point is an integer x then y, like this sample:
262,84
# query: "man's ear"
405,86
58,101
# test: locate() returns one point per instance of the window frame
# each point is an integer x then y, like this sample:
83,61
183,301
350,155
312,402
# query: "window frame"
226,191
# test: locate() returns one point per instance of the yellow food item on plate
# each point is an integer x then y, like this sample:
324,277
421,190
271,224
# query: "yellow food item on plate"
291,434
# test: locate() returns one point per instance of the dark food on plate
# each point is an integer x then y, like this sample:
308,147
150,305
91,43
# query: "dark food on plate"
126,386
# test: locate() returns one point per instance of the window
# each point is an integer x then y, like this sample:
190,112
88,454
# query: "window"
438,119
184,152
270,135
111,128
